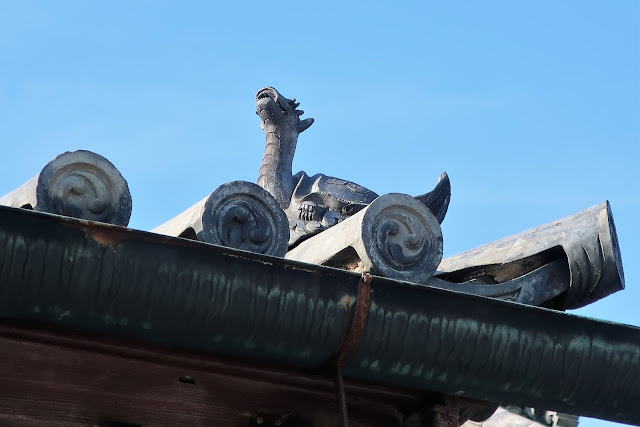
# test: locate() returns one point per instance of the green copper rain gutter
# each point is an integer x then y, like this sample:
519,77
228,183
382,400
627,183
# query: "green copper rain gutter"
181,293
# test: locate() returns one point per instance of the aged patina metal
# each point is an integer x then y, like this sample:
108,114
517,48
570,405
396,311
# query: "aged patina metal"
314,203
79,184
238,214
181,293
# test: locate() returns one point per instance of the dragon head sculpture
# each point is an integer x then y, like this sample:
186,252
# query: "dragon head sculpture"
273,108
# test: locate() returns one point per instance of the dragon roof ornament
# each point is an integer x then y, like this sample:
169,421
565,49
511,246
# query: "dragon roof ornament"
314,203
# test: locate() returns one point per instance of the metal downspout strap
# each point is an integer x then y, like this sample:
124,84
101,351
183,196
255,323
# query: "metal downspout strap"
350,343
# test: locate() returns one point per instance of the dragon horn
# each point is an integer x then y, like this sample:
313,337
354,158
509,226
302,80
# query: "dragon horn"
304,125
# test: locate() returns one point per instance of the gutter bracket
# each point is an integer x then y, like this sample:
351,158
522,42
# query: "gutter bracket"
363,304
350,343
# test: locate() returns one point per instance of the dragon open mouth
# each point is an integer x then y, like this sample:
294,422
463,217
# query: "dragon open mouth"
265,93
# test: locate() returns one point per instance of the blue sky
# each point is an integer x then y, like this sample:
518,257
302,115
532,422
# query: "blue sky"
532,107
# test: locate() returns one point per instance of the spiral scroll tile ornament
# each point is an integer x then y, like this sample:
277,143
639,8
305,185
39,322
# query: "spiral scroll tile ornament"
243,215
404,240
85,185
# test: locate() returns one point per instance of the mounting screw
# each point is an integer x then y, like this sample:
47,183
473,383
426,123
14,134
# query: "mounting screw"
277,422
187,379
259,420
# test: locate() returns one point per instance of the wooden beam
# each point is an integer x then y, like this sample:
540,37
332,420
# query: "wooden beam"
79,379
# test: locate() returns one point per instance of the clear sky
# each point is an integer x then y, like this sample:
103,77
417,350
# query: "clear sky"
532,107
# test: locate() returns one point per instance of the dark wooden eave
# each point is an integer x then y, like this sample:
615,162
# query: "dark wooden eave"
54,377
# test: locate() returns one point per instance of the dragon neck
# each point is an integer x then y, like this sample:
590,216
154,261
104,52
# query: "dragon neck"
275,172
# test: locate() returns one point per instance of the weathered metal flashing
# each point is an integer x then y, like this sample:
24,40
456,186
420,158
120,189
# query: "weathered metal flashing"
181,293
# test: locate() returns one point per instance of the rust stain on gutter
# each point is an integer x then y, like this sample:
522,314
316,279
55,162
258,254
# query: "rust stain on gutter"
104,237
346,301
